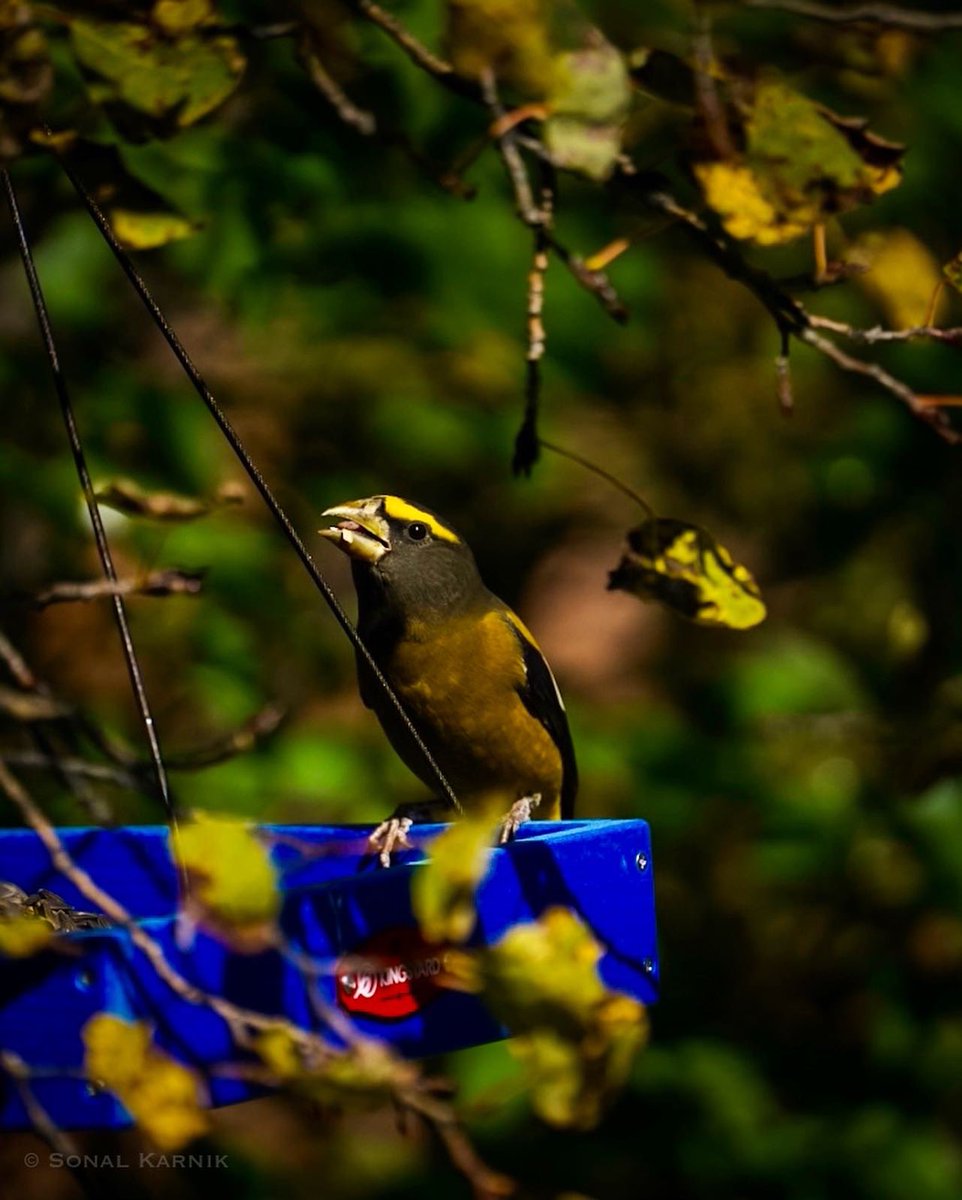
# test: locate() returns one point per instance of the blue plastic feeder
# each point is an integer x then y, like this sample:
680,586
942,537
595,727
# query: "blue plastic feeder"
336,905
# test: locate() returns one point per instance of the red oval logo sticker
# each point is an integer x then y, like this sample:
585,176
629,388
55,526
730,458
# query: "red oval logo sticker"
393,975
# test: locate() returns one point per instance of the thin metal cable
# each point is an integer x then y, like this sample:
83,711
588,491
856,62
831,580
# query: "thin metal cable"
257,479
80,461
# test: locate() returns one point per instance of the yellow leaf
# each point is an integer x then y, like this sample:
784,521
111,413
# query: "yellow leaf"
733,192
442,893
279,1052
22,935
162,1095
232,881
800,164
575,1038
364,1075
683,567
148,230
902,275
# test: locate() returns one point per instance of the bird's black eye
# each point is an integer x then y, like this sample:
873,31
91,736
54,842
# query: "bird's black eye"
417,531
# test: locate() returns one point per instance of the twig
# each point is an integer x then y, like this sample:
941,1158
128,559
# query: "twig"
366,124
131,775
593,467
259,726
83,474
790,317
171,582
416,51
783,385
415,1095
13,660
706,92
17,1070
928,413
783,377
506,141
889,15
785,310
93,805
358,118
526,442
877,333
78,768
595,282
236,1017
485,1183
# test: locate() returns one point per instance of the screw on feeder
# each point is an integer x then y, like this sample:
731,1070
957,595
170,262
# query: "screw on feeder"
641,860
84,979
648,966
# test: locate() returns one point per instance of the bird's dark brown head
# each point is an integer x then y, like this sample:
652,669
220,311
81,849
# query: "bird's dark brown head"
405,556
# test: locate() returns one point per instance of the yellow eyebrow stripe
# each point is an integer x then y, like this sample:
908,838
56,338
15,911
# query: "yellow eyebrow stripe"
396,509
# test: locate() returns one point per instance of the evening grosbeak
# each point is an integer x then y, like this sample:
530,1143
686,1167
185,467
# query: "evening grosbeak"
466,670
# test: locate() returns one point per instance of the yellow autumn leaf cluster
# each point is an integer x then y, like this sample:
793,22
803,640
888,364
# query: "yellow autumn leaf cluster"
684,568
364,1075
232,883
162,1095
442,892
800,164
574,1037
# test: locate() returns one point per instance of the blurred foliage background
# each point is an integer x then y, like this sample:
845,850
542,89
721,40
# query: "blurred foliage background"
365,331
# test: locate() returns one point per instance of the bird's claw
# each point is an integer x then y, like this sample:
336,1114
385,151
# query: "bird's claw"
389,836
518,814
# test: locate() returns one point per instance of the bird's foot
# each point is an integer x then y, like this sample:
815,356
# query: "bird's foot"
392,834
518,815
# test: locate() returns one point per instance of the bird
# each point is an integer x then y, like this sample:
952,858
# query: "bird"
466,670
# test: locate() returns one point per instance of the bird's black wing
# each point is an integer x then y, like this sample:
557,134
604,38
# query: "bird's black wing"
540,696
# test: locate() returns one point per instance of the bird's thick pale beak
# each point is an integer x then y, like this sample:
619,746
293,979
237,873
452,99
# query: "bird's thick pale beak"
361,530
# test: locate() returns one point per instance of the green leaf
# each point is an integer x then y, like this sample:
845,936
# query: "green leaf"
186,77
588,103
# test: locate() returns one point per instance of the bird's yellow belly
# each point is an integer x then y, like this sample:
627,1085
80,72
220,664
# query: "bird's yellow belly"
460,689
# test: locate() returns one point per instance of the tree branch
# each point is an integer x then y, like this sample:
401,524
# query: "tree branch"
927,412
416,51
889,15
171,582
870,337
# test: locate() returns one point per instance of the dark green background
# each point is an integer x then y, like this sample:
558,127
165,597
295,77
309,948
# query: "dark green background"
365,332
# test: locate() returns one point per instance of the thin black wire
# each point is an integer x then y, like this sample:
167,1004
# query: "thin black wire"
80,461
256,478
